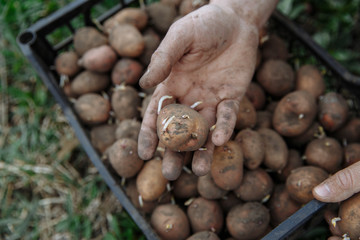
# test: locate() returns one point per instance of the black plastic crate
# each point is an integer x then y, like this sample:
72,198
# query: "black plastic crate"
41,53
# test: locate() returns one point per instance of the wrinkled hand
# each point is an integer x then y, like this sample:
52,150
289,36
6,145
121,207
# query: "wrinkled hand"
209,55
336,188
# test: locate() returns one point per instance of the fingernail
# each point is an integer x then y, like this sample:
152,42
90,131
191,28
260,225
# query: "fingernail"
322,190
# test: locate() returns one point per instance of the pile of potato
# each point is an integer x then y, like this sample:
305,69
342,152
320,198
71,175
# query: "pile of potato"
290,132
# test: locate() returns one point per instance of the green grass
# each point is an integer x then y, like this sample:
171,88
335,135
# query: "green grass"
48,186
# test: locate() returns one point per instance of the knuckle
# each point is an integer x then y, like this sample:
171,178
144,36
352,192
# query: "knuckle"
345,179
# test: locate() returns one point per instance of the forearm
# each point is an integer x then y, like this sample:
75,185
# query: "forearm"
254,11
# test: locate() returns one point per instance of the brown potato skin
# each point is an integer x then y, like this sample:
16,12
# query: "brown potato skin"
252,146
98,59
295,113
227,165
125,102
185,186
205,215
246,117
276,151
294,161
229,201
208,189
134,16
263,119
350,132
170,222
66,63
89,82
276,77
333,111
128,128
302,180
309,78
275,48
150,182
349,212
92,109
314,131
161,16
127,71
255,186
133,194
281,206
124,159
256,95
351,154
103,136
326,153
86,38
248,221
186,131
204,235
126,40
152,41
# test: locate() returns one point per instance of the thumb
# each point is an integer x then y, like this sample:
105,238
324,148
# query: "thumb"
340,186
175,44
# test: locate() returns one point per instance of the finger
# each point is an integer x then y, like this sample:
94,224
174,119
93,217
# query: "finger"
172,164
174,45
226,119
340,186
148,139
202,158
330,218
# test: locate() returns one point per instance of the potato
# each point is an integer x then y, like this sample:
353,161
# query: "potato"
246,117
248,221
170,222
208,189
349,213
124,159
294,161
127,71
150,182
309,78
256,95
92,108
161,16
187,6
227,165
281,205
126,40
333,111
103,136
350,132
276,77
185,186
326,153
275,48
295,113
134,16
228,201
263,119
252,146
258,58
314,131
351,154
128,128
205,215
89,82
276,151
255,186
181,128
98,59
271,106
133,194
125,102
86,38
66,63
204,235
302,180
152,41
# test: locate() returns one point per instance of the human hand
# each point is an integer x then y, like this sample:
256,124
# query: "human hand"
209,56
